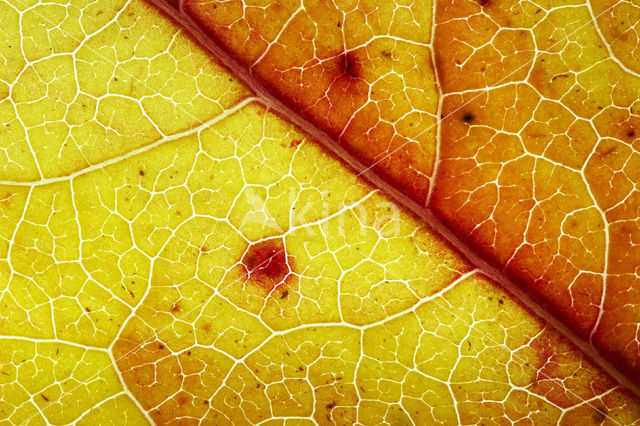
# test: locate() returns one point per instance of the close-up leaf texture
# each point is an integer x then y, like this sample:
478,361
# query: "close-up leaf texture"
330,212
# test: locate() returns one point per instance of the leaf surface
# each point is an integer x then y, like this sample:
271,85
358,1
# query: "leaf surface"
539,160
534,163
173,250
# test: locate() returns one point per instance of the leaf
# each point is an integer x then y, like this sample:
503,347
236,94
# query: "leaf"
544,178
537,163
363,73
175,251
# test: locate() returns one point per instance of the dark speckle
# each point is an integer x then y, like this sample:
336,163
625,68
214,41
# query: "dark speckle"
141,172
631,133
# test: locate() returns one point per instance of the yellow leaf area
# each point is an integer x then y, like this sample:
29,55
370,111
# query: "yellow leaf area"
172,251
535,163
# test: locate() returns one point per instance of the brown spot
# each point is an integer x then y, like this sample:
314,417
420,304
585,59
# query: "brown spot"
631,133
44,397
141,172
175,307
606,152
467,117
284,294
267,263
599,414
204,249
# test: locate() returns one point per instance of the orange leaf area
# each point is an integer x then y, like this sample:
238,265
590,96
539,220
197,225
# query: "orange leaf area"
544,178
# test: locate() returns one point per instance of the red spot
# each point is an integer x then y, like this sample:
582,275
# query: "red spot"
182,399
349,66
4,199
267,264
546,352
176,307
295,143
600,414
